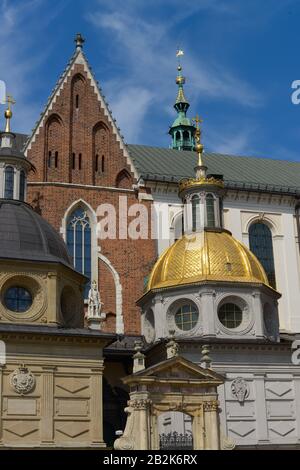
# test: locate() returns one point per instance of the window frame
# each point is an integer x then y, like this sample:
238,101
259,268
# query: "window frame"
9,192
260,250
79,218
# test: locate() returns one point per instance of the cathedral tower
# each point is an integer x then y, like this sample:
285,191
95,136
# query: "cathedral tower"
182,130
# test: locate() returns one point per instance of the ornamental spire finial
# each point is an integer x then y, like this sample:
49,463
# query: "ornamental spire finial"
200,168
79,41
8,112
180,81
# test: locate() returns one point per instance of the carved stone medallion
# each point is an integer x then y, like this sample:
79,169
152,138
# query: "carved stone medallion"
240,389
22,380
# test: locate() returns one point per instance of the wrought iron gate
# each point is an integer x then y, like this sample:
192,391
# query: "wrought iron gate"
174,440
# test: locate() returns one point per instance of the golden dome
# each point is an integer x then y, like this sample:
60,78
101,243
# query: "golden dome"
212,255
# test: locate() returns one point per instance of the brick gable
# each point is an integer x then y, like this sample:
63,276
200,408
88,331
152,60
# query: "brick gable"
79,154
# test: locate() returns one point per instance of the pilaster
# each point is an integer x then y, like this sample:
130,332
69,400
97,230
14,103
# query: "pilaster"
97,406
47,405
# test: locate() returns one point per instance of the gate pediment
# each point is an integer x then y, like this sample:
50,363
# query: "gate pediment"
176,370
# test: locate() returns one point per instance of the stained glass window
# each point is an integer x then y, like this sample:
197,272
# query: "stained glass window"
79,243
9,183
261,244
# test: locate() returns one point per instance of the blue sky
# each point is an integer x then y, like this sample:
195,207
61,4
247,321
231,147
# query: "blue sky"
241,57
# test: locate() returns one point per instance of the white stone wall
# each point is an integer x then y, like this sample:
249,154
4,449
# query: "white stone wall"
270,413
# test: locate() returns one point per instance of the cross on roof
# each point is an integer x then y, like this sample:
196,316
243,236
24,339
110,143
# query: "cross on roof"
197,120
10,100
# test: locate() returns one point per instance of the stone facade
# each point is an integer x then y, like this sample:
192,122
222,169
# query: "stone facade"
51,390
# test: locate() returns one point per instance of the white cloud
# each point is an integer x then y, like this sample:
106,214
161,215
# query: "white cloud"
129,109
20,60
146,46
235,142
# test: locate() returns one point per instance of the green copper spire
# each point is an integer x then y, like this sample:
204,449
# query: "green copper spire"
182,130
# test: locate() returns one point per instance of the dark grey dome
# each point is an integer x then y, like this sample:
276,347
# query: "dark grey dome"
25,235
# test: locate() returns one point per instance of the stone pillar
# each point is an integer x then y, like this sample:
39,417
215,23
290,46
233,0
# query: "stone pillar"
17,184
202,210
142,407
208,314
53,306
96,407
198,427
161,329
154,445
259,315
211,420
188,215
47,405
140,421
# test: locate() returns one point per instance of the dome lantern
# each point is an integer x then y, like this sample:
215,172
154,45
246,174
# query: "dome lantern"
201,195
182,130
14,166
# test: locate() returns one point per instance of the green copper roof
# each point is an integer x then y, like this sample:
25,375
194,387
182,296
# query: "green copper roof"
180,96
181,120
161,164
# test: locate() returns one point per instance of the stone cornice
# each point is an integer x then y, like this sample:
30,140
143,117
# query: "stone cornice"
51,337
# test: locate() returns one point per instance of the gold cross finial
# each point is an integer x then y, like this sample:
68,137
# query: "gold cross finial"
197,120
8,112
10,100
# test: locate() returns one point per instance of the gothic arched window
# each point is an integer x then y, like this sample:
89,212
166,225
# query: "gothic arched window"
195,211
79,243
261,244
22,186
9,182
210,210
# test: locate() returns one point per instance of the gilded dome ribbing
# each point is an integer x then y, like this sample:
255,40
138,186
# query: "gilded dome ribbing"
210,255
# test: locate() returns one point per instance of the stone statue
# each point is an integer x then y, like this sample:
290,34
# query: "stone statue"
172,346
94,301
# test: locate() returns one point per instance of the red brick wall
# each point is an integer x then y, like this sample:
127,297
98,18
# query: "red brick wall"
83,130
77,125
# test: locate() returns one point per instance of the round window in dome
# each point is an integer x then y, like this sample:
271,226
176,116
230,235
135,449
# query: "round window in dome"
186,317
230,315
17,299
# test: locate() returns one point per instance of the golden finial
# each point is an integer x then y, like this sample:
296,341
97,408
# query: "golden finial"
198,146
8,112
